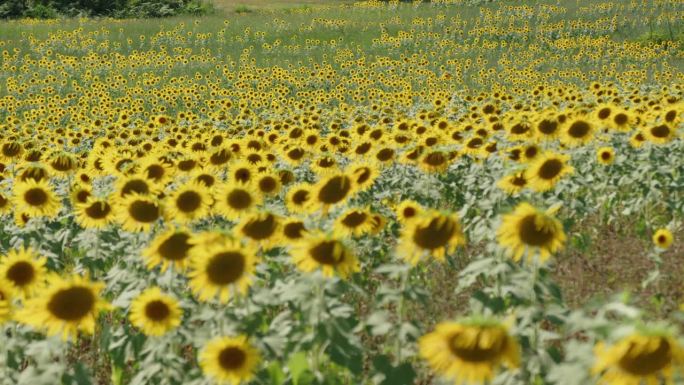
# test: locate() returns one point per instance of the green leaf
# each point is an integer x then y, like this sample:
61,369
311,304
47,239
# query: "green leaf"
298,364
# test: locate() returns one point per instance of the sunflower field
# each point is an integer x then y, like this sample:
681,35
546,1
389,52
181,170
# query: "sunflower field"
372,193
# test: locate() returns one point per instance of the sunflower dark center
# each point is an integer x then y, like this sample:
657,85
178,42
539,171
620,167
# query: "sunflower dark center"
604,113
531,152
243,175
82,196
531,234
436,234
21,273
157,310
260,229
547,126
475,143
220,157
472,351
135,186
36,196
670,116
11,149
364,175
144,211
327,253
72,304
294,230
188,201
295,154
661,131
518,181
3,201
267,184
519,129
385,154
187,164
239,199
435,159
550,169
642,362
334,190
579,129
605,155
226,267
409,212
354,219
661,239
232,358
155,172
176,247
98,210
300,197
620,119
207,179
363,148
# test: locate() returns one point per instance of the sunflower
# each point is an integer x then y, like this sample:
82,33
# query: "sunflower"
663,238
268,184
547,128
470,351
241,171
170,248
547,170
80,193
513,184
36,199
578,131
94,213
408,210
353,222
5,302
529,229
155,313
332,190
299,198
432,233
24,271
153,169
605,155
132,184
434,161
660,134
65,306
319,251
261,229
644,357
221,268
233,200
5,205
229,360
190,202
137,212
294,230
363,175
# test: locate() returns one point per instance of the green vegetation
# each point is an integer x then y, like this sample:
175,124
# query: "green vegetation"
50,9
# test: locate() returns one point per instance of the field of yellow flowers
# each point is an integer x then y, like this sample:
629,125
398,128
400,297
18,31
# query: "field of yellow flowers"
454,192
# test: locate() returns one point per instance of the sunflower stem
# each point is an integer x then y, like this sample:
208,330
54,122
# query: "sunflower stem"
400,314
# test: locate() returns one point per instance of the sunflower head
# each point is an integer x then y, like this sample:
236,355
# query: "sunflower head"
472,350
433,233
24,271
547,170
229,360
642,357
353,222
663,238
530,230
408,210
220,266
234,200
170,248
155,313
261,228
605,155
65,306
138,212
318,251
